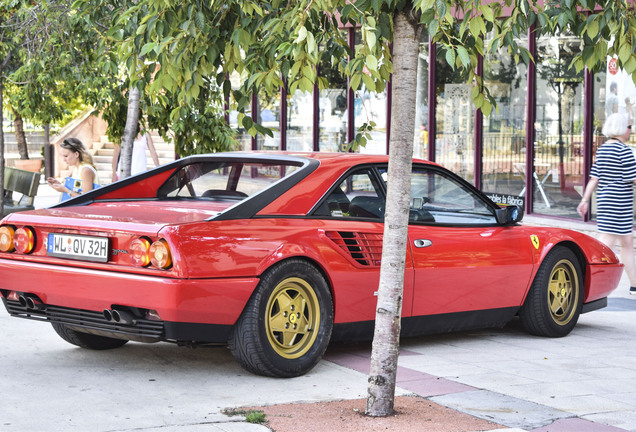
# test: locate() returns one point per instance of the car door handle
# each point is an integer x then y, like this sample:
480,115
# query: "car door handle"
422,243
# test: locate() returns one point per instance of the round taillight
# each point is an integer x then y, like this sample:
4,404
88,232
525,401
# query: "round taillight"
6,239
160,254
139,252
24,240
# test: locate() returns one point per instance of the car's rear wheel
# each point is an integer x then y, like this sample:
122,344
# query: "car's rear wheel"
286,325
554,302
86,340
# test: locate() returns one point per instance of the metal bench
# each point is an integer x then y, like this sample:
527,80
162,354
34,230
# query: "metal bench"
23,182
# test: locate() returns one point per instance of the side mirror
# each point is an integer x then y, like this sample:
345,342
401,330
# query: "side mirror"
509,215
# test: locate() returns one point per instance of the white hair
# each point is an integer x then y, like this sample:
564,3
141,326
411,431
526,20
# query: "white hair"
616,125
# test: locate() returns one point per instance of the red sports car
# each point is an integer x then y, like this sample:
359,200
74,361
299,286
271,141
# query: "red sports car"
277,254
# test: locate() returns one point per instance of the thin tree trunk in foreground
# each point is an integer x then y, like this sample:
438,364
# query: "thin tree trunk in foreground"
130,131
386,342
20,137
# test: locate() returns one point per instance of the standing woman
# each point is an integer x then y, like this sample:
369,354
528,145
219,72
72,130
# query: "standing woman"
614,172
74,154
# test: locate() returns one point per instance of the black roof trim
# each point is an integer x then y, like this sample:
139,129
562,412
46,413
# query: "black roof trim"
307,165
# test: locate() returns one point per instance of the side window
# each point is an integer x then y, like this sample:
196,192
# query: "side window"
438,198
357,196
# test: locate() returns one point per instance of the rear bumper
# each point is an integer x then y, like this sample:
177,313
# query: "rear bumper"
180,303
140,330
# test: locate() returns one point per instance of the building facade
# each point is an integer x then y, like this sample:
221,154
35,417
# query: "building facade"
536,148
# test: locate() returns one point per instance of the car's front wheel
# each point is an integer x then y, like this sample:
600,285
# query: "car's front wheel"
86,340
286,325
554,302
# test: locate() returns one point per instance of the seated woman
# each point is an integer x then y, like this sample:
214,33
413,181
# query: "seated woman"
75,155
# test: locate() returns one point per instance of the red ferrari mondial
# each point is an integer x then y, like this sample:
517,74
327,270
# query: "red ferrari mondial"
277,254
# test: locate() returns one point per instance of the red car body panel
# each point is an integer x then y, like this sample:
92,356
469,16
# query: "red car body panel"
218,263
217,301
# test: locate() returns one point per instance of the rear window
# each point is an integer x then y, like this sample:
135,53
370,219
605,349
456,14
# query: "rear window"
223,180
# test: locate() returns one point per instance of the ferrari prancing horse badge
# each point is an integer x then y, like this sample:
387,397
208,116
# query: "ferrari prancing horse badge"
535,241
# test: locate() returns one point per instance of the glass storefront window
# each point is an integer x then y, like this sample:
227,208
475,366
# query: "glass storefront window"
558,146
454,120
243,139
300,117
371,107
504,131
268,115
420,144
333,110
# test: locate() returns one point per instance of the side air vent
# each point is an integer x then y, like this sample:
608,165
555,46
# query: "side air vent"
365,248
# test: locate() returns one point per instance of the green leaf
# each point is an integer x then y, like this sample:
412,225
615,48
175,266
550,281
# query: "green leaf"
199,20
450,57
441,8
368,82
355,81
479,100
433,27
592,29
474,92
147,48
474,27
624,52
486,108
311,43
464,57
486,11
247,122
630,65
371,40
371,63
302,34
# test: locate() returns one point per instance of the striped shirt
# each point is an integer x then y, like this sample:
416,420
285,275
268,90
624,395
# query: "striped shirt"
615,169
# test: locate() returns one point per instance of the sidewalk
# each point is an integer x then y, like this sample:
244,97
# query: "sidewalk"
526,384
46,197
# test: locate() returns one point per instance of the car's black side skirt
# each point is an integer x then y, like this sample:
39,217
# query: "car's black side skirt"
184,332
595,305
430,324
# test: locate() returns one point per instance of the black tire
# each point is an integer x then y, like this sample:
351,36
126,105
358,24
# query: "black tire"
86,340
554,302
286,325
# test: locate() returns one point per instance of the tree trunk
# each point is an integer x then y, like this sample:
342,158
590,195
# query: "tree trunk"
18,124
130,131
49,153
386,342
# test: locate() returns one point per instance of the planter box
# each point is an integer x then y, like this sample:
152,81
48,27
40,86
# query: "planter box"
34,165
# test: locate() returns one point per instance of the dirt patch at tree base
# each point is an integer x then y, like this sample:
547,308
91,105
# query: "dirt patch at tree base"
412,413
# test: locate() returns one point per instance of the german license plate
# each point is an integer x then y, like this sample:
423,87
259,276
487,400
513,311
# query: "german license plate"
85,248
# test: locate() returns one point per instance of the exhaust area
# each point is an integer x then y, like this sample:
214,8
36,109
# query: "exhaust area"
31,302
119,316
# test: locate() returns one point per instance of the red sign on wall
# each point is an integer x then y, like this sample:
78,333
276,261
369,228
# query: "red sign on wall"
612,67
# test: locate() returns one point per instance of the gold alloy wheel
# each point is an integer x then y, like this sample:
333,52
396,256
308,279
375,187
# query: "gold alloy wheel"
563,292
293,318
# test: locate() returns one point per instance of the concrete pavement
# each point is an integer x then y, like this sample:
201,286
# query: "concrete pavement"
583,382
